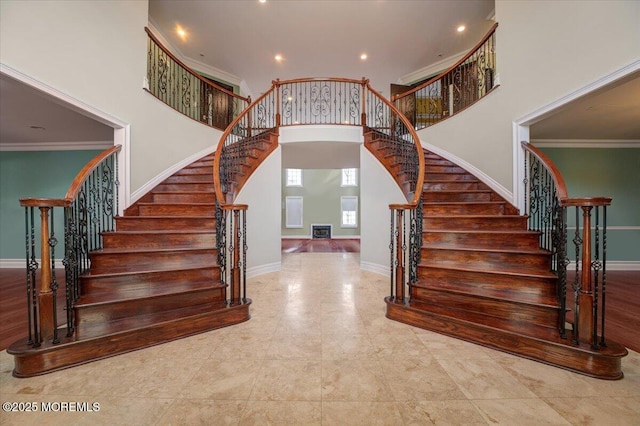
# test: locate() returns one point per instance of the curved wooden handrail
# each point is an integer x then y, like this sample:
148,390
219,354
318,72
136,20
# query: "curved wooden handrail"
561,187
586,201
451,68
310,79
183,65
223,138
82,175
420,181
76,184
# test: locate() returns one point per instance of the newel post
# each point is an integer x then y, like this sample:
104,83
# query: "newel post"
278,105
45,295
586,297
363,106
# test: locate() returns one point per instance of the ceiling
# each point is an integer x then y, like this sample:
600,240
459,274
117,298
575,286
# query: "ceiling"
317,39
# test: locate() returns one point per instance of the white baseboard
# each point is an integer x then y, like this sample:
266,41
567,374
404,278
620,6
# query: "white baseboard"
158,179
22,264
485,178
264,269
375,268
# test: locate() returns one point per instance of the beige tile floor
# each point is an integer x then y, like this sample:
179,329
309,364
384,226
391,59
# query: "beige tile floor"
319,350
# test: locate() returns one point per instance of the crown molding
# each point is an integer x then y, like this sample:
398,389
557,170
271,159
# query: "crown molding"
586,143
432,69
56,146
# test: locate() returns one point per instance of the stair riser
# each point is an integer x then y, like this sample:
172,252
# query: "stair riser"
131,308
142,223
184,198
177,240
177,210
202,163
523,288
112,262
448,176
187,187
496,223
496,261
445,196
206,178
432,168
428,162
195,171
501,309
464,209
504,240
158,279
453,185
564,356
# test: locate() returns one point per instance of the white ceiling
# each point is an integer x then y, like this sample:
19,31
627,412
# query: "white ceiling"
319,39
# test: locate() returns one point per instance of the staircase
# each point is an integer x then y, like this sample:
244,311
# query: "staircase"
156,279
483,278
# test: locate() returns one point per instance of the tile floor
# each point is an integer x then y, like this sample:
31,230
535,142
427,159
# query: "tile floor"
319,350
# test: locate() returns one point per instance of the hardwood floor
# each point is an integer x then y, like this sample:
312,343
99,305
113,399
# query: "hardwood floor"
623,297
320,245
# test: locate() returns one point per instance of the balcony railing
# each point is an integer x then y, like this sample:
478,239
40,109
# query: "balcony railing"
455,89
178,86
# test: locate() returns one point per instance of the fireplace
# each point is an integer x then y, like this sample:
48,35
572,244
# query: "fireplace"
320,231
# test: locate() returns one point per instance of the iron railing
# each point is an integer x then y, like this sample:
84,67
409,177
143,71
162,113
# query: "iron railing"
330,101
455,89
548,206
178,86
90,207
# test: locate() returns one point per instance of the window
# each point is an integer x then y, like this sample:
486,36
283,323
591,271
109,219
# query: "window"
294,177
293,213
349,177
349,208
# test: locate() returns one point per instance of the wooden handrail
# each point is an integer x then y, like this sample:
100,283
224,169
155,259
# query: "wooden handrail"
362,81
420,178
76,184
561,187
183,65
216,161
451,68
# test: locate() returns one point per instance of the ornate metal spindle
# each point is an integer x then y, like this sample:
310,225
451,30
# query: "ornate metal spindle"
244,256
33,266
562,270
54,283
30,276
596,265
392,252
604,272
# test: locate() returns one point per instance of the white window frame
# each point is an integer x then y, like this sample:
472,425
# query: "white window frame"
348,198
344,180
290,203
297,182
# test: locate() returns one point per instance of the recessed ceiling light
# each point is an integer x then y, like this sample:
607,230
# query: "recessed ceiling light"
278,57
181,32
262,1
461,28
363,56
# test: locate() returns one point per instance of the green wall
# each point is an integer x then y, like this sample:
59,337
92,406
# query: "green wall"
608,172
33,174
321,192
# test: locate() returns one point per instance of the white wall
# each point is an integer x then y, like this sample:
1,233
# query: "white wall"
95,51
545,50
263,193
377,190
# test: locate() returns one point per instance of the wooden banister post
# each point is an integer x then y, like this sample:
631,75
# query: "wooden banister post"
235,269
399,257
363,103
45,295
585,298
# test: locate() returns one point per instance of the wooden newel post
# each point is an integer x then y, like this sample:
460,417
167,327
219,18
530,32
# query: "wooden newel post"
235,269
45,295
399,257
585,297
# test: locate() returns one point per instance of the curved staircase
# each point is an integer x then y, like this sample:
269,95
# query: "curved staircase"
156,279
483,278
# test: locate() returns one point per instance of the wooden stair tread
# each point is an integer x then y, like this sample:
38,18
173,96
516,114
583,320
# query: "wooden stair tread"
151,250
445,246
481,231
164,217
163,232
143,271
176,204
462,202
473,216
493,294
117,296
460,267
184,192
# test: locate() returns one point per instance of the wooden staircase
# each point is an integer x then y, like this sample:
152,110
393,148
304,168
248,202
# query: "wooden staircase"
483,278
156,279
